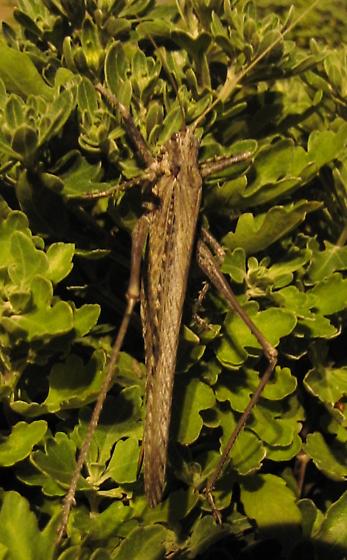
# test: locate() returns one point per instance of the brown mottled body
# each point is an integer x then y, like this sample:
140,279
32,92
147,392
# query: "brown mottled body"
172,228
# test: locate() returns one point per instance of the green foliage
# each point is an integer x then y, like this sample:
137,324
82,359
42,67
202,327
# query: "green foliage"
23,540
64,261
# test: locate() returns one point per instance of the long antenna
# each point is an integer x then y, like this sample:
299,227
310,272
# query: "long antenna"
232,80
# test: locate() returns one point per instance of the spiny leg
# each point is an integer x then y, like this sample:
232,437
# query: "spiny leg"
140,145
133,293
148,175
220,163
210,267
212,243
134,134
219,255
209,167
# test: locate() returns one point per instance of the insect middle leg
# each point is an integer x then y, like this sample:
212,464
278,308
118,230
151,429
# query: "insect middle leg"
208,264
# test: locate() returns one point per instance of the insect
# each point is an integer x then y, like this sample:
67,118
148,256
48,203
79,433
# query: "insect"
169,229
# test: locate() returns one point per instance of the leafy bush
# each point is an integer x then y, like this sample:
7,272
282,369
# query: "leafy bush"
65,262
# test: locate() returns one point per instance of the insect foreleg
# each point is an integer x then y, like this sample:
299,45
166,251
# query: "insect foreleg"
148,175
134,134
216,164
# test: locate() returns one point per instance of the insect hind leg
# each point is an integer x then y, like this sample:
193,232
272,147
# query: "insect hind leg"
209,266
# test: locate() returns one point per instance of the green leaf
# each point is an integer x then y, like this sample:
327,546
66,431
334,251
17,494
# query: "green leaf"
73,384
14,111
3,552
28,543
284,453
177,506
223,200
87,97
144,543
29,475
120,418
91,46
44,207
305,304
205,534
25,143
59,257
58,112
63,76
331,259
248,451
192,398
332,532
99,554
116,64
27,260
311,517
20,75
268,500
279,168
81,177
274,324
123,464
109,522
58,462
51,182
330,294
15,222
85,318
330,459
328,384
273,430
256,233
234,264
237,386
246,456
281,384
172,123
281,273
45,320
324,146
18,445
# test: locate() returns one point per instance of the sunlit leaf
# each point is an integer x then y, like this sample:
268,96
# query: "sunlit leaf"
29,543
20,442
274,509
